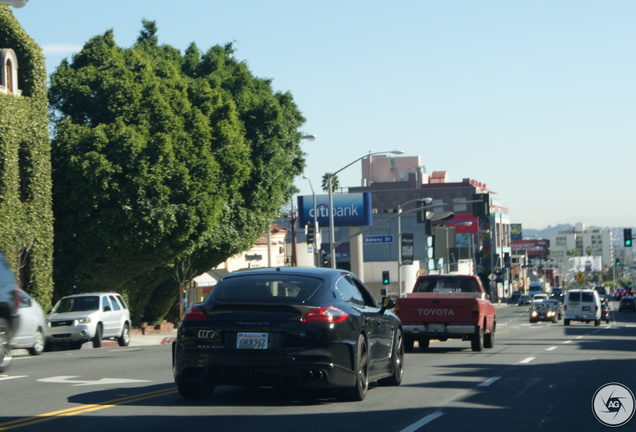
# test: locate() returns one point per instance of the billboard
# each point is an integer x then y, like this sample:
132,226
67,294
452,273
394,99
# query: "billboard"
516,233
587,264
534,248
348,209
464,223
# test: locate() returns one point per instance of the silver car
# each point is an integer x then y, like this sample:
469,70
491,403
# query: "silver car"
31,331
87,317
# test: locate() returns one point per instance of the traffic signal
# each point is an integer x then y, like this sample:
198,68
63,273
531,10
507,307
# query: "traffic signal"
310,230
421,214
617,262
481,208
627,237
385,277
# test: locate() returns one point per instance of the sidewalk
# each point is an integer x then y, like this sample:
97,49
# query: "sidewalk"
162,337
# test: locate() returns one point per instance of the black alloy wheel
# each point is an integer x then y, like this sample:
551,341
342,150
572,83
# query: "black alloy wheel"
359,390
398,362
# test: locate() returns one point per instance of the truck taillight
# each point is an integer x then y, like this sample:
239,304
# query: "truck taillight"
475,310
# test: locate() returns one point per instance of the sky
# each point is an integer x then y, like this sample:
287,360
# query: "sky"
536,99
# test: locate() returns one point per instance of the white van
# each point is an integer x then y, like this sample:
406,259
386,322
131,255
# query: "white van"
582,305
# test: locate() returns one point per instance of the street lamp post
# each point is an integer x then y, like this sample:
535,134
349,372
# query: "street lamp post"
315,245
426,201
332,237
15,3
306,137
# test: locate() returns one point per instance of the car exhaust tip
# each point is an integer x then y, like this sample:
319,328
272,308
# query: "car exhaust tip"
312,375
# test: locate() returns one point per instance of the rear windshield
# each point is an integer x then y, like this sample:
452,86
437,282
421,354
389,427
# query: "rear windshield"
290,289
587,297
442,284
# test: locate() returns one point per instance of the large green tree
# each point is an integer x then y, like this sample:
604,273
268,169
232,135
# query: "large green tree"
164,165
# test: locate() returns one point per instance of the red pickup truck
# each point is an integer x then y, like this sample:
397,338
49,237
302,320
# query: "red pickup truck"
446,307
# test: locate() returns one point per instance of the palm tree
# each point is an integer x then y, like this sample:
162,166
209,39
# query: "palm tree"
334,183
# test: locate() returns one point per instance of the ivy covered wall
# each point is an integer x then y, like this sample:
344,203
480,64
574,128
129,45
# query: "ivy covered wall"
26,215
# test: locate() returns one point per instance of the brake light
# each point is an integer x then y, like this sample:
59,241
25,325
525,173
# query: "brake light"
326,314
475,310
194,313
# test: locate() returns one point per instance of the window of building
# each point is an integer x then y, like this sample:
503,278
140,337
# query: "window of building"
9,72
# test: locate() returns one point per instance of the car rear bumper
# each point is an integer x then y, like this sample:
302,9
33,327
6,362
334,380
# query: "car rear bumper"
581,317
329,367
434,331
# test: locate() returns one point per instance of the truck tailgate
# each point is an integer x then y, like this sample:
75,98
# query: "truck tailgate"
437,309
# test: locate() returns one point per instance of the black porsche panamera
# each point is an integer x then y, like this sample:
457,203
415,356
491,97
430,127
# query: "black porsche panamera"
312,328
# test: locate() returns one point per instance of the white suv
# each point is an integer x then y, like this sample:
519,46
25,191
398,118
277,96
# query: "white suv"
80,318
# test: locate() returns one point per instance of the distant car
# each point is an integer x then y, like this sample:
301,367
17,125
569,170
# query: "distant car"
80,318
627,304
558,307
303,327
31,331
619,293
537,298
9,317
543,311
601,290
514,298
524,300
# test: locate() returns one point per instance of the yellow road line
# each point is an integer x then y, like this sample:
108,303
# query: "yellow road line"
40,418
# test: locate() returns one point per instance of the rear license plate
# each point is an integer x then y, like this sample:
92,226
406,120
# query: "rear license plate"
251,340
436,328
587,308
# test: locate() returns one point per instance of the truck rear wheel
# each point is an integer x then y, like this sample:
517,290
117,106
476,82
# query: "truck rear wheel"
423,342
489,338
408,343
477,341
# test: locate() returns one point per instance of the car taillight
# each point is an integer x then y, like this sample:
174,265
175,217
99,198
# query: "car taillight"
194,313
326,314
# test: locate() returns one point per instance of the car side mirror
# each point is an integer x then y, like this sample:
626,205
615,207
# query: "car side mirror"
107,309
387,303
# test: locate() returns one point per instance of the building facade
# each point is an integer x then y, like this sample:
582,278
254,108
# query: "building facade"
581,250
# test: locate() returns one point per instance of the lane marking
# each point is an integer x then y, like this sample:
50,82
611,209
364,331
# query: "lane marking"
422,422
552,348
8,377
488,381
40,418
64,379
527,360
567,341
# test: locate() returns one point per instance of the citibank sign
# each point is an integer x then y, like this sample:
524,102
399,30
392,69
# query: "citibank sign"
348,209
